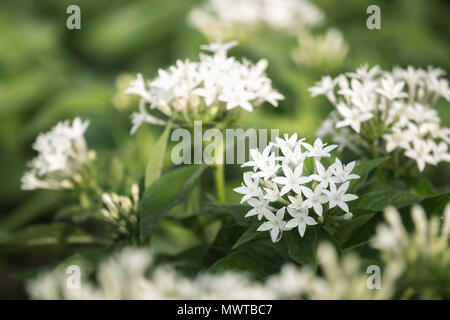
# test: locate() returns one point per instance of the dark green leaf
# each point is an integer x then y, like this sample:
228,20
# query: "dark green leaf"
236,211
250,235
348,229
379,200
222,244
363,170
420,187
436,204
168,191
303,249
156,161
52,234
256,263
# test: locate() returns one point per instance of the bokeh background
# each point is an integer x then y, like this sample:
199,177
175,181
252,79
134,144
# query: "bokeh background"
49,73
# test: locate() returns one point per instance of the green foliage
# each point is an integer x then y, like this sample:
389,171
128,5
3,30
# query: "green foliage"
156,161
49,73
169,190
51,234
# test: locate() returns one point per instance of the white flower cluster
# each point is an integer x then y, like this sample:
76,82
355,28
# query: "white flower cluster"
230,19
62,154
204,90
279,183
396,106
130,274
425,248
326,51
122,211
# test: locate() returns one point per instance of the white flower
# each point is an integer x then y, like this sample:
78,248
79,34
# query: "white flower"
398,139
315,199
392,90
203,90
275,224
337,196
395,106
324,51
364,74
260,207
62,155
279,182
352,117
300,220
249,189
272,194
219,19
319,149
296,202
342,172
324,177
292,179
421,152
440,152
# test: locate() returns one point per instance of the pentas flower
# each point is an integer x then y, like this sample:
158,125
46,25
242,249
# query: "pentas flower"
325,51
394,107
423,251
62,157
209,90
229,19
302,181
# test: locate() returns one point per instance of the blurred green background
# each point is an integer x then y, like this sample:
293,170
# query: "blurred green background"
49,73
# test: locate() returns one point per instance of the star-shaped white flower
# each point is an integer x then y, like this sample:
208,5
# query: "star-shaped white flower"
250,187
392,89
276,224
352,117
342,172
291,180
398,139
300,220
260,207
421,153
338,197
315,199
296,202
319,149
324,177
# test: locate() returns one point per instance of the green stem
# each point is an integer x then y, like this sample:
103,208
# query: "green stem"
219,180
374,153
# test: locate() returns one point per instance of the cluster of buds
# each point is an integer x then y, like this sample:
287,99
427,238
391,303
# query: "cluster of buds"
122,211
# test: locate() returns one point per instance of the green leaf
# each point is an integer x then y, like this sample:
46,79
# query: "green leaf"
303,249
238,213
156,161
420,187
256,263
436,204
168,191
222,244
250,235
40,203
379,200
308,166
348,229
52,234
363,170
